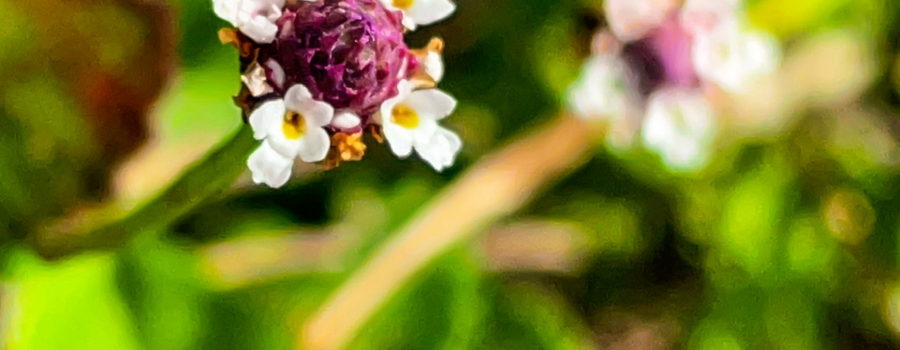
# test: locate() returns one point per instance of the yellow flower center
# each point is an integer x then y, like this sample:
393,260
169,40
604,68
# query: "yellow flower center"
403,4
405,116
294,127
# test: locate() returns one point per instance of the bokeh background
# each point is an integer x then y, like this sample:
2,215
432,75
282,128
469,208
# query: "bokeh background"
788,239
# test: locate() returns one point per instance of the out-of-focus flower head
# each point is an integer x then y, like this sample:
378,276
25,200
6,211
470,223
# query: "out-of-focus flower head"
653,65
319,74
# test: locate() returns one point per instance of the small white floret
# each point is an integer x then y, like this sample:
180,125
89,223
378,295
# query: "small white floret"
255,18
292,128
421,12
734,58
680,127
604,90
410,122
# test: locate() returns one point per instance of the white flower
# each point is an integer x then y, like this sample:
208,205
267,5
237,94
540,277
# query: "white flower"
632,19
704,16
410,122
421,12
733,57
434,65
255,18
289,128
680,127
604,90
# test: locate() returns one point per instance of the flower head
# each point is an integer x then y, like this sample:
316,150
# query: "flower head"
669,53
317,73
349,53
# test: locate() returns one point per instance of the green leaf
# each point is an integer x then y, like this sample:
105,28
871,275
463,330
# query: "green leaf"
528,317
74,305
206,180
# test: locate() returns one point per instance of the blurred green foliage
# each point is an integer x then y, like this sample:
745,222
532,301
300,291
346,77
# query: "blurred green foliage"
791,242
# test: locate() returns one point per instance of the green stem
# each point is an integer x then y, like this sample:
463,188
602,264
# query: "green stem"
203,181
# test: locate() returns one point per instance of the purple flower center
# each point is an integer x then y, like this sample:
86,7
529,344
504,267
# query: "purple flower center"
349,53
663,58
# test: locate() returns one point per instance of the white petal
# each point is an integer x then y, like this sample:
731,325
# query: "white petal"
260,29
404,88
409,22
278,75
314,145
424,12
278,140
255,18
399,139
316,113
265,117
604,90
704,16
227,10
431,103
679,127
434,66
296,96
763,53
441,150
269,167
632,19
240,11
424,132
732,58
346,120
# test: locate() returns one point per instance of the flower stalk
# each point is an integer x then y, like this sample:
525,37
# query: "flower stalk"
108,228
511,176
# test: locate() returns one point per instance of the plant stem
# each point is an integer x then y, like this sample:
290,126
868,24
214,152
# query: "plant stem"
495,187
204,180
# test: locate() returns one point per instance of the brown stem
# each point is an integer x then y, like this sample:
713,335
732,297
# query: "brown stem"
493,188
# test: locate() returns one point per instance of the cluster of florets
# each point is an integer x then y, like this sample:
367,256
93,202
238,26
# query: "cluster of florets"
652,68
319,75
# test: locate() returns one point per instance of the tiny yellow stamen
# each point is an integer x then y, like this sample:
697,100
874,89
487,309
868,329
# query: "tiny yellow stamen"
345,148
403,4
405,116
294,126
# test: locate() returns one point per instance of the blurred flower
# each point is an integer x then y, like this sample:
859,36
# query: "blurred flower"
410,122
704,16
655,63
318,71
732,58
632,19
679,126
604,90
289,128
